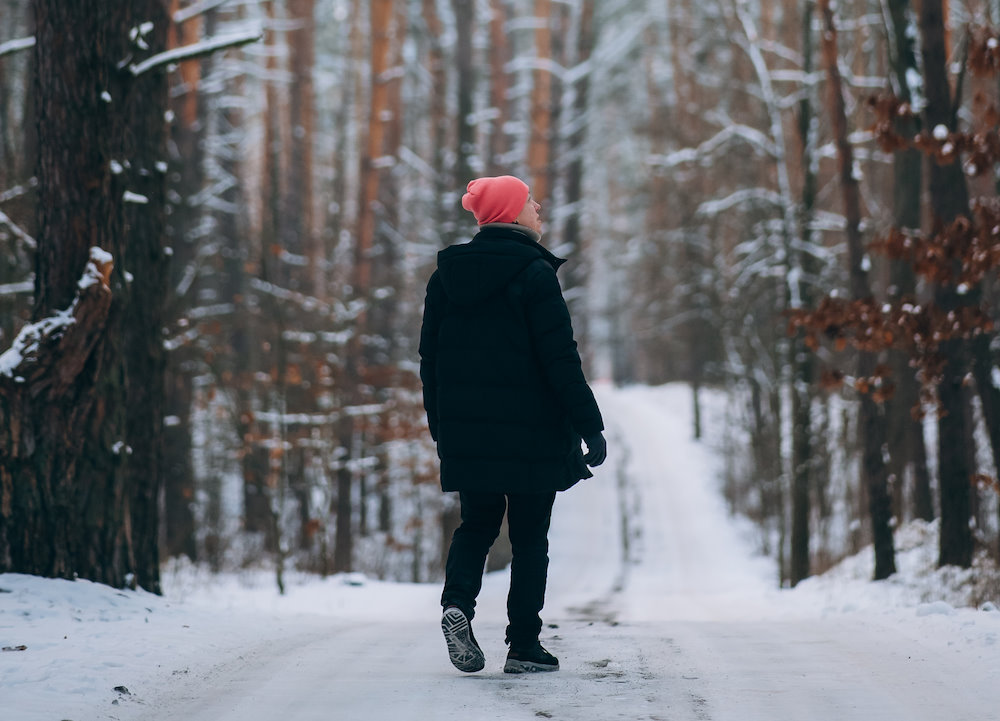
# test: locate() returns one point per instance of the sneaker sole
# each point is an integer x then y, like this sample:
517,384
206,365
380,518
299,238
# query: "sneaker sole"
464,653
515,666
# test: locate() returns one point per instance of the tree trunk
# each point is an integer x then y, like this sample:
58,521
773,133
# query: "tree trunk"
572,236
146,260
301,232
801,361
540,139
260,495
439,118
301,42
186,180
871,425
66,506
949,198
465,17
178,471
499,57
905,432
358,353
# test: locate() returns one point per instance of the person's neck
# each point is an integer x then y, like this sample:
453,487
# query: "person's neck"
533,234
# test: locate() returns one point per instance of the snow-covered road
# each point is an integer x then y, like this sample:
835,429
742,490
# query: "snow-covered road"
656,609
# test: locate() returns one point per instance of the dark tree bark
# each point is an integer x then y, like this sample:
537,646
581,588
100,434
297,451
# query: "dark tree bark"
802,361
178,471
871,424
146,261
905,433
465,18
949,198
572,236
68,503
186,180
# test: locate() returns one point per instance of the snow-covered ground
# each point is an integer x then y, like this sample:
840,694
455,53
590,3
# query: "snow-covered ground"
656,607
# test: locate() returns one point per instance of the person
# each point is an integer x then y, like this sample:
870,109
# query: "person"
507,404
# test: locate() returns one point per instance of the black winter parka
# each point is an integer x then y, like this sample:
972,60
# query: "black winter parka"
504,391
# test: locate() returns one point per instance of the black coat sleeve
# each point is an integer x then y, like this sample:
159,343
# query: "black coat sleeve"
433,302
551,332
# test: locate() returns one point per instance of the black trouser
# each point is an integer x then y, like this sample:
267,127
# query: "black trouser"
528,516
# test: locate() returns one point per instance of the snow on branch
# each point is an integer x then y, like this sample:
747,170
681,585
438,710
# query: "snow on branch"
337,311
52,351
320,419
733,132
12,46
197,50
25,286
27,344
759,196
17,230
18,190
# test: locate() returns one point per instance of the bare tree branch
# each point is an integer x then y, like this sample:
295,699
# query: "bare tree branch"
12,46
16,229
197,50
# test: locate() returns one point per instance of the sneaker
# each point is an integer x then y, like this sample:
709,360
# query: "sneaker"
527,659
463,650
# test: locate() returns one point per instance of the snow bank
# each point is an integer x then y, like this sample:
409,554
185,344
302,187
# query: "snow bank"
918,581
90,649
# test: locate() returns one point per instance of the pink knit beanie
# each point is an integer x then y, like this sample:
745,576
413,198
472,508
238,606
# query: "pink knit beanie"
495,200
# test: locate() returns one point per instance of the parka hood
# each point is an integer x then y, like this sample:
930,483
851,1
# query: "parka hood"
472,272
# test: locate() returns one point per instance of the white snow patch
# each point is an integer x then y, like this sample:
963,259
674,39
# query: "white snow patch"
941,608
100,256
26,344
940,132
129,197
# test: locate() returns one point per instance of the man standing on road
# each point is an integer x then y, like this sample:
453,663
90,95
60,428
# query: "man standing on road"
507,404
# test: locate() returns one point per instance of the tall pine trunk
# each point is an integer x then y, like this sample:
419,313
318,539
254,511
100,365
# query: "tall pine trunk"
66,504
146,261
949,199
540,138
871,424
905,433
187,179
802,362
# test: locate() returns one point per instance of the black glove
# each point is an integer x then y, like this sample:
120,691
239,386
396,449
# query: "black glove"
597,450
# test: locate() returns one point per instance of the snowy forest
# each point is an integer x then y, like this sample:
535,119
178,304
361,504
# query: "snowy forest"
218,218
